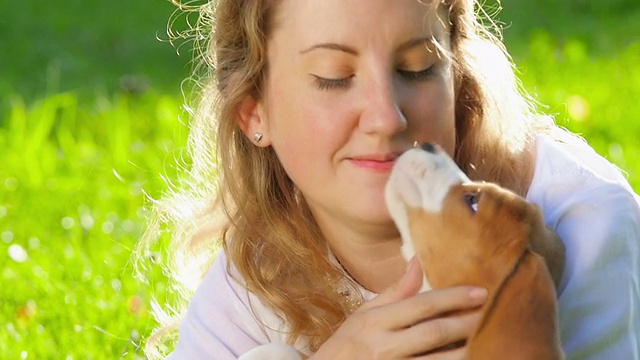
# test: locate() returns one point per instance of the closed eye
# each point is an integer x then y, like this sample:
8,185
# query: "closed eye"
330,84
420,75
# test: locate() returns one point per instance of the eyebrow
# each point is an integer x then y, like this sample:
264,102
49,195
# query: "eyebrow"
349,50
414,42
331,46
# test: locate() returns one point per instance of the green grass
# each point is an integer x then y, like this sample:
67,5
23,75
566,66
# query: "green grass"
89,120
79,149
580,59
72,197
594,97
55,46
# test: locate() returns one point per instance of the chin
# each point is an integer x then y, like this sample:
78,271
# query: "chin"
375,215
372,207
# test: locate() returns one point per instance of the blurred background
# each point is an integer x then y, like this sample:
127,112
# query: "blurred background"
92,123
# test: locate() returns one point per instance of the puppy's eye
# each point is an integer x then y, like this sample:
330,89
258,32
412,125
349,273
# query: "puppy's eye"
472,199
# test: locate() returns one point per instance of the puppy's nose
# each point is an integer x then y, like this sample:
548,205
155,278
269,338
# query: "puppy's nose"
429,147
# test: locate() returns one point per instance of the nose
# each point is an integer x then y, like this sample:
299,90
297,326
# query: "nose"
382,114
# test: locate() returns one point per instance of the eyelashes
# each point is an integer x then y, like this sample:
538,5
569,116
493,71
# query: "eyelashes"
421,75
330,84
343,83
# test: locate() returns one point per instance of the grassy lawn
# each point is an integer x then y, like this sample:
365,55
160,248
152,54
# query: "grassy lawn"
91,122
580,58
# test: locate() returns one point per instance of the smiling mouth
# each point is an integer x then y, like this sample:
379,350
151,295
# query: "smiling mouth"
374,163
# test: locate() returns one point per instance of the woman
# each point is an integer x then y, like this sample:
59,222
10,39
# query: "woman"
301,116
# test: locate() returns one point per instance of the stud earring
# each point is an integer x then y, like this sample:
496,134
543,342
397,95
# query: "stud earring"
257,137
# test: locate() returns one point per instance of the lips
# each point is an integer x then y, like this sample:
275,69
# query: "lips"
378,162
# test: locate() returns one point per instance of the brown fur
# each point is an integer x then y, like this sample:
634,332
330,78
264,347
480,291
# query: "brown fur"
492,249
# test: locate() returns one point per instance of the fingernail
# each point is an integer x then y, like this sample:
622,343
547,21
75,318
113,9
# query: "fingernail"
478,294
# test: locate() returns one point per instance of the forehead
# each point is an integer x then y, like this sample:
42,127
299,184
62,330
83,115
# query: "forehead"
354,20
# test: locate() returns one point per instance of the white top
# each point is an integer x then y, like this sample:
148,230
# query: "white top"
584,198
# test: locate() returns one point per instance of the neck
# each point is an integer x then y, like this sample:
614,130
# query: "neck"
373,270
368,251
369,254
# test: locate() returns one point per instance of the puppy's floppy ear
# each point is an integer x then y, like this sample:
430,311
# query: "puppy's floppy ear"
508,331
252,119
535,281
549,245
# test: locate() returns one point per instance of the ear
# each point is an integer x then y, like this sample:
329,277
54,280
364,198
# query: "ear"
252,120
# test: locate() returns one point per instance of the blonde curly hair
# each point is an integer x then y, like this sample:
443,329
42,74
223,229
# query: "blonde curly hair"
237,197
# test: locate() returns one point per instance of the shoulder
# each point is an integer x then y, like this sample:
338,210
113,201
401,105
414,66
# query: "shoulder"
596,213
590,205
568,170
224,318
223,288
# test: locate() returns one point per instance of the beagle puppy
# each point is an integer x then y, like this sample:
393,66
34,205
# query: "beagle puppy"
470,233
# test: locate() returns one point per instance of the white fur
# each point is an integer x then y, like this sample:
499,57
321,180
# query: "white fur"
273,351
419,179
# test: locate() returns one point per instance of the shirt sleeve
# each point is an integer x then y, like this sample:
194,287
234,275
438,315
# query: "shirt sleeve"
220,323
599,297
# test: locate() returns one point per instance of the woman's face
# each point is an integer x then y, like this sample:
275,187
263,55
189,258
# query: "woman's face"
351,85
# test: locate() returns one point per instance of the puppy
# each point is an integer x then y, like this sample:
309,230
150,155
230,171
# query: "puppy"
468,233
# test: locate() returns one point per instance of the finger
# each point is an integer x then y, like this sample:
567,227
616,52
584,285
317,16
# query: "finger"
453,354
432,304
408,285
440,335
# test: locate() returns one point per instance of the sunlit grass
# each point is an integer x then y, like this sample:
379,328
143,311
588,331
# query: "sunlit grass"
72,201
580,58
593,96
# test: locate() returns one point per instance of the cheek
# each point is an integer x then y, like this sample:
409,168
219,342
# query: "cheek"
302,119
433,117
304,135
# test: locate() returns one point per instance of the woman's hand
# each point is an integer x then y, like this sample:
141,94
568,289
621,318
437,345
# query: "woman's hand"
402,324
